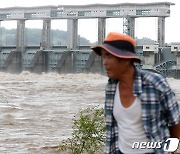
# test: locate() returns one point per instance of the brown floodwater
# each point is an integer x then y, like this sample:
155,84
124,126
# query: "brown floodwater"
36,111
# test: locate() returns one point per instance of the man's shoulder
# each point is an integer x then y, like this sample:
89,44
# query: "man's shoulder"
149,75
155,79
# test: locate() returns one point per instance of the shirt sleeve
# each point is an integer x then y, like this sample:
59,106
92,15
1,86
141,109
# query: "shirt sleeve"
172,107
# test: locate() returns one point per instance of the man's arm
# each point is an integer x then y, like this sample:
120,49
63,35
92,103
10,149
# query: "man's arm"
175,131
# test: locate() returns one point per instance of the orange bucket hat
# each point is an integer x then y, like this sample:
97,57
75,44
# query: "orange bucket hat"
119,45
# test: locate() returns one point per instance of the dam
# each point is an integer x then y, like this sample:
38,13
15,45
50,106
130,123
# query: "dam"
74,58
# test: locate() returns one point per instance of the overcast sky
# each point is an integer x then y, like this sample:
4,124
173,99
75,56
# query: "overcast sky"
145,27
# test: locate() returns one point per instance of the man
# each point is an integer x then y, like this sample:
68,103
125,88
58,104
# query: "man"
140,106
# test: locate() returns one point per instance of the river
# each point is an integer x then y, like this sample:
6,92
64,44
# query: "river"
37,110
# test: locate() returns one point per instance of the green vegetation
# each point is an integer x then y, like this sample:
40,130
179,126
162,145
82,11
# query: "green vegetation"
33,37
88,134
58,37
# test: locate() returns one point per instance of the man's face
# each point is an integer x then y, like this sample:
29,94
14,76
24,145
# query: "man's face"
115,67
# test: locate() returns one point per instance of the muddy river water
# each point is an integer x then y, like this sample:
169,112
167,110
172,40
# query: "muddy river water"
36,111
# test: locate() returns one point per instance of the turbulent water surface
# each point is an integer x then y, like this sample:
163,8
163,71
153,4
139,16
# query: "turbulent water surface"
36,111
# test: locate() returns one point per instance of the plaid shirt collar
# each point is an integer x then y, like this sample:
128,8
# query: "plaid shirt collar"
137,90
137,83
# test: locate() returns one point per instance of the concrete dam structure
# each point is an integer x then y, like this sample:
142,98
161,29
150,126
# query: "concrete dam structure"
74,58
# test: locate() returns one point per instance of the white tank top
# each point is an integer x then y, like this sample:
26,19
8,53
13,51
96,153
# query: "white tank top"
129,125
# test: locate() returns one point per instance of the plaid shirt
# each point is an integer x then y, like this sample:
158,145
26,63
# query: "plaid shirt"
159,109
